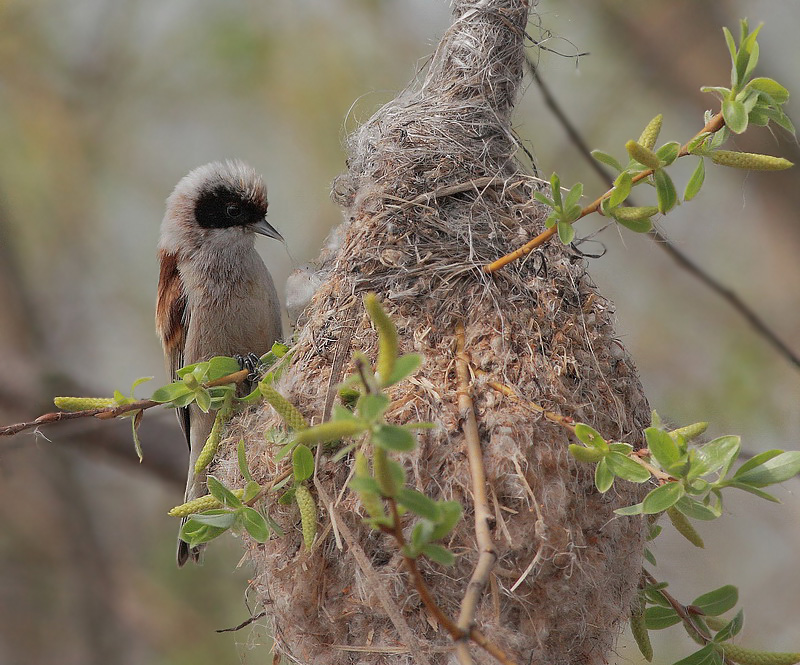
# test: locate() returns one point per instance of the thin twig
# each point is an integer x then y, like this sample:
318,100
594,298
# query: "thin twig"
109,412
487,553
662,242
713,125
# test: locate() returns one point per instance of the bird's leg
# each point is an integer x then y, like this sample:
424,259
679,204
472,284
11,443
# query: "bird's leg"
251,363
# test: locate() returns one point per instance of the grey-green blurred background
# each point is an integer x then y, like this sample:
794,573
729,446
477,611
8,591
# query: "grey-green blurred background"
104,105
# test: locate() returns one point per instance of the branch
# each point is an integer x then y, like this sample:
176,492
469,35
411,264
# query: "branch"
108,412
713,125
662,242
488,554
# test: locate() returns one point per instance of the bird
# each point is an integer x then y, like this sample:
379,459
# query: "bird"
215,295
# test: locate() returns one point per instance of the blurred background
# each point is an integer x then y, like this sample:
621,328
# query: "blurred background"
105,105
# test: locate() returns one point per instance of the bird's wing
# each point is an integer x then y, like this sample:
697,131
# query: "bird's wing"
172,322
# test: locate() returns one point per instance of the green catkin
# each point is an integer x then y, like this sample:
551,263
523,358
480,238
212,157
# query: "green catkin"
650,133
639,629
643,155
212,442
199,505
380,469
689,432
749,160
308,514
333,430
283,407
83,403
745,656
387,337
684,527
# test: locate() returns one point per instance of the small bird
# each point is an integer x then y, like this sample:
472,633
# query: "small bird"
215,295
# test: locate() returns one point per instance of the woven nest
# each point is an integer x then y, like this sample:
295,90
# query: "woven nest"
433,193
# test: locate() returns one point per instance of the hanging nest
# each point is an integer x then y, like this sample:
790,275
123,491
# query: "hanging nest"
432,194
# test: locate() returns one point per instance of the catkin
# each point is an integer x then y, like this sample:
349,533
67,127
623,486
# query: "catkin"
643,155
639,629
745,656
308,514
635,213
387,337
749,160
212,442
200,504
650,133
371,502
283,407
684,527
83,403
689,432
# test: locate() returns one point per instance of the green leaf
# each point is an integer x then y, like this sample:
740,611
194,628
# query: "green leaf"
649,557
731,629
195,533
718,601
695,181
626,468
439,554
696,510
333,430
365,484
241,456
287,498
752,490
665,191
372,406
251,490
620,447
775,90
705,656
714,455
418,503
584,454
757,460
302,463
608,160
630,510
222,493
202,399
661,446
773,471
566,232
552,219
391,437
404,367
722,93
255,524
220,366
658,618
449,515
603,477
735,115
171,392
573,196
637,219
546,200
668,152
591,437
622,188
221,519
777,116
555,190
662,498
421,534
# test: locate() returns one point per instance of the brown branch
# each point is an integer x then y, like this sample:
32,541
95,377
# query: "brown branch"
713,125
106,413
456,633
487,553
662,242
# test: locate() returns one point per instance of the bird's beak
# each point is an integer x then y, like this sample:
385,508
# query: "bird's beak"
264,228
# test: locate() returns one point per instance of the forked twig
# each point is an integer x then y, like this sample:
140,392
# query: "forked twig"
487,556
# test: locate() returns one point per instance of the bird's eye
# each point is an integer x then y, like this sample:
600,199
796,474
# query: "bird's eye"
233,210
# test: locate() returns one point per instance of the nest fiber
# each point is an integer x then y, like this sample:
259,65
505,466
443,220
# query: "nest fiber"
433,193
